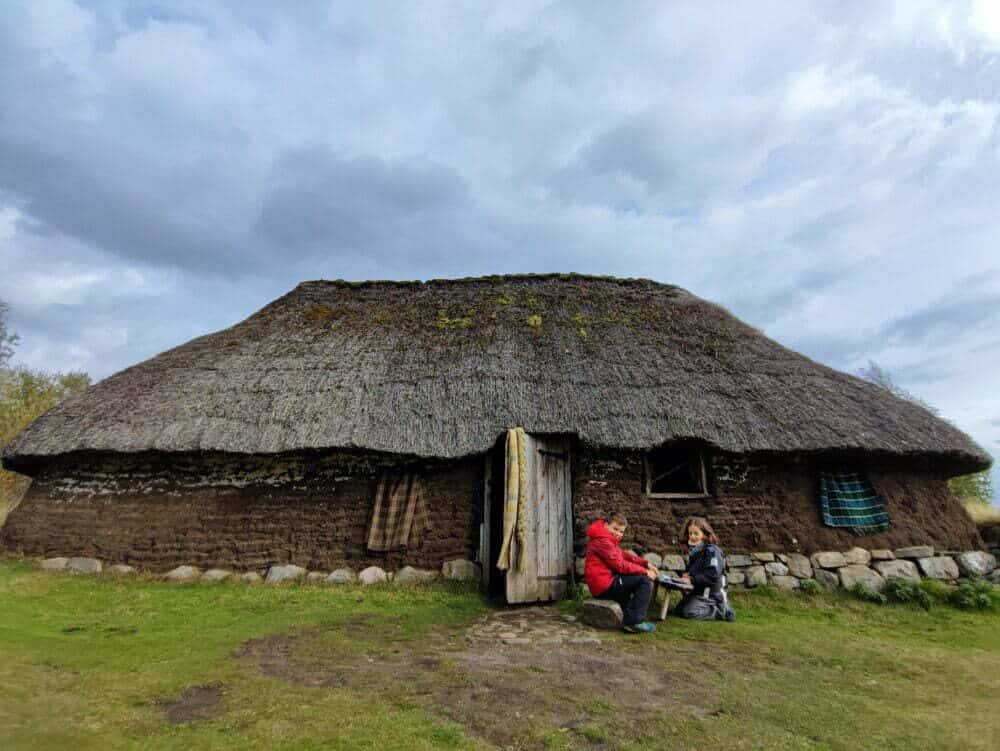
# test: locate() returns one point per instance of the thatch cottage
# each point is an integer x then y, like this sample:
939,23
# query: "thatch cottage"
355,423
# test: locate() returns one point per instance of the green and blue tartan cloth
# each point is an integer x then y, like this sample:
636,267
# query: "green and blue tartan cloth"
849,500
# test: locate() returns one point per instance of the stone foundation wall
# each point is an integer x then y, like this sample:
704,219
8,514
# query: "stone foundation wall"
833,569
762,504
157,512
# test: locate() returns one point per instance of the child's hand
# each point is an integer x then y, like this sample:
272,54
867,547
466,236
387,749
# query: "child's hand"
686,577
651,573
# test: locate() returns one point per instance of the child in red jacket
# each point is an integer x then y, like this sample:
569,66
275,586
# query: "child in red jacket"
617,575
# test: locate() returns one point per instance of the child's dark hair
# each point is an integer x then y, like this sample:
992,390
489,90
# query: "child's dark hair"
701,523
617,517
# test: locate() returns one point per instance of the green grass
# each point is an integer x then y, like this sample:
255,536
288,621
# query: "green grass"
89,662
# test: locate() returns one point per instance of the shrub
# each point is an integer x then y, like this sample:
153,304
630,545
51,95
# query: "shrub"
938,591
863,592
907,591
974,594
810,587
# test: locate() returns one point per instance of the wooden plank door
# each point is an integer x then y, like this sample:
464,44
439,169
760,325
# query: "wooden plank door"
548,522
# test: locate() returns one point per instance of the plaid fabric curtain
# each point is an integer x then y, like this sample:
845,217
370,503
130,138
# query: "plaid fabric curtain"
399,517
848,500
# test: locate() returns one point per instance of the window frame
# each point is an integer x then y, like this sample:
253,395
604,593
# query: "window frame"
648,479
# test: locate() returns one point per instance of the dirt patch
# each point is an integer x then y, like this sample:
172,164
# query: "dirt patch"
511,676
195,703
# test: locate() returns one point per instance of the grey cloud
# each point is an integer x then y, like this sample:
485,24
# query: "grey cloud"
316,196
944,320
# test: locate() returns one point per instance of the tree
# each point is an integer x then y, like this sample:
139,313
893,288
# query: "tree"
7,339
974,488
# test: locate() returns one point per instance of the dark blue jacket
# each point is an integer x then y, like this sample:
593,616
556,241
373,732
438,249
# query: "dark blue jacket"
706,566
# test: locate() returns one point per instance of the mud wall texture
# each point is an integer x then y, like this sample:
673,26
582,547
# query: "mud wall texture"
767,504
244,513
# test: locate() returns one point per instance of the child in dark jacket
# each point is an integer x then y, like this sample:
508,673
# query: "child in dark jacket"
617,574
706,572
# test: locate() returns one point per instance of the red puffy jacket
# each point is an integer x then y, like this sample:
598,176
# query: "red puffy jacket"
605,559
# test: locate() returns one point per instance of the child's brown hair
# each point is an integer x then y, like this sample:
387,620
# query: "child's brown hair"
617,518
701,523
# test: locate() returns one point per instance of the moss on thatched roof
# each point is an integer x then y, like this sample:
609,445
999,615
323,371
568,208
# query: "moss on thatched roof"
441,368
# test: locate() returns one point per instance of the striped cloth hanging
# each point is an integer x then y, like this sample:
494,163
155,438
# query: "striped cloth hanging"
850,501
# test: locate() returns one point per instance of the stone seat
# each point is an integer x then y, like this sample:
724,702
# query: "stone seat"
602,613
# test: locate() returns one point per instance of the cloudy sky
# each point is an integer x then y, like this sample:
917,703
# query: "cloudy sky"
828,171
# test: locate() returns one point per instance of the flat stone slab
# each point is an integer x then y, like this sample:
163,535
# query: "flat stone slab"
673,562
976,563
828,559
941,567
216,575
764,557
602,614
854,574
902,569
915,551
121,569
738,560
799,566
316,576
882,555
183,574
279,574
827,579
250,577
54,564
755,576
460,570
84,566
411,575
736,578
785,582
858,557
342,576
655,558
775,568
372,575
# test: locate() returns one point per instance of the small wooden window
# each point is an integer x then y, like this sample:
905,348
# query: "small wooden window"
676,472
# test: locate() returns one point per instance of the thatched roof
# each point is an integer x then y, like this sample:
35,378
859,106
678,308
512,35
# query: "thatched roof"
441,368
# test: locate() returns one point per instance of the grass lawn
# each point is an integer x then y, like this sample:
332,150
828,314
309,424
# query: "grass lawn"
95,662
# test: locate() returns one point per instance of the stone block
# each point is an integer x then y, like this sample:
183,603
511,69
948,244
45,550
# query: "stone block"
411,575
316,576
882,555
674,562
183,574
121,569
580,566
655,558
342,576
54,564
755,576
828,559
785,582
774,568
84,566
738,560
826,579
460,570
602,614
250,577
287,573
799,566
975,563
915,551
940,567
783,558
372,575
736,578
857,557
901,569
855,574
994,576
216,575
762,557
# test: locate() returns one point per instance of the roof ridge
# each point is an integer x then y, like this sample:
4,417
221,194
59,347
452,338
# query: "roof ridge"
489,279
